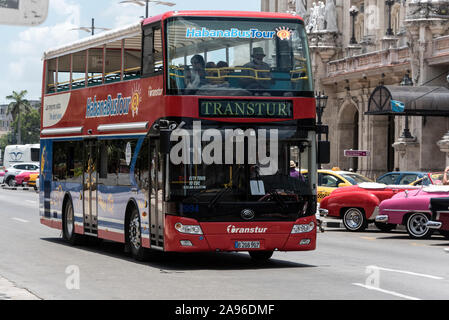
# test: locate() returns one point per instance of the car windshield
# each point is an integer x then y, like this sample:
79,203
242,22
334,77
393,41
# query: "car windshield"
225,56
355,178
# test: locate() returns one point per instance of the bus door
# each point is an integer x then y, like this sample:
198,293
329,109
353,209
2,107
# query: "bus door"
90,187
156,195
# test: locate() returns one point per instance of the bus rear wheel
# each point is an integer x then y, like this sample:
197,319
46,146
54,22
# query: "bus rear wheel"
68,227
260,256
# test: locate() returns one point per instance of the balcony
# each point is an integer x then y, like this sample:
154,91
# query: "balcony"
368,62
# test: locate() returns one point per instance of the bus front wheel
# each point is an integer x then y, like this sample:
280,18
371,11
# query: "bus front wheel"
134,237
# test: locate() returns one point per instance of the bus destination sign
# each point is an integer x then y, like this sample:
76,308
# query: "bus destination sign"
282,109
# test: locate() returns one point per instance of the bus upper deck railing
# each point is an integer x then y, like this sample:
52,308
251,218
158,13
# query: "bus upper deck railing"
110,77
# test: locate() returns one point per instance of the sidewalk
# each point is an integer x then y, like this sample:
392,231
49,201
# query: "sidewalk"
9,291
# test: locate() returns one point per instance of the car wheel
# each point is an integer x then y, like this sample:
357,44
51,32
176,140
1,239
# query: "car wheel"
260,256
134,237
385,227
416,226
68,228
11,181
354,220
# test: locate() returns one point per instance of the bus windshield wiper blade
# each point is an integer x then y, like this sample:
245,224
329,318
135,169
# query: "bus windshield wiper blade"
276,196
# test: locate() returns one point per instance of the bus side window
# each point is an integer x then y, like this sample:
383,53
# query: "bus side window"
59,161
152,51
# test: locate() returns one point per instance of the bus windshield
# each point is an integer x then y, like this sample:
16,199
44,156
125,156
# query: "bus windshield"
228,56
231,164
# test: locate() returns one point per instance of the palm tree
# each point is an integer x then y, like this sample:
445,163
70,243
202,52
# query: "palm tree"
18,105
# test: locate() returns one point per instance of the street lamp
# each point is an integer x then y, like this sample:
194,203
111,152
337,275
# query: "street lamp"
353,11
406,81
145,2
91,29
389,3
321,102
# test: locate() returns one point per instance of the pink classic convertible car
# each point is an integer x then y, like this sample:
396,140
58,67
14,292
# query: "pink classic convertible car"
411,208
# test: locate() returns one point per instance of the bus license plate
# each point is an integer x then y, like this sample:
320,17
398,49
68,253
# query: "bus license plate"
247,244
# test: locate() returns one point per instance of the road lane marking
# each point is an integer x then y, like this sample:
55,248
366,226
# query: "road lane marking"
20,220
411,273
368,238
386,291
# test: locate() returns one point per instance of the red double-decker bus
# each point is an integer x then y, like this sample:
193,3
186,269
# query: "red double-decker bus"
183,132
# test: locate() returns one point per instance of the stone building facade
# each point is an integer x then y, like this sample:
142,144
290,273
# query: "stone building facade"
378,42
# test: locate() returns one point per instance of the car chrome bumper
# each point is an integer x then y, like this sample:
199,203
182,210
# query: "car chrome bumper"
382,218
434,224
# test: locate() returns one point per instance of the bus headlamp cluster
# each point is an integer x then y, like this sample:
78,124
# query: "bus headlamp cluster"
303,228
192,229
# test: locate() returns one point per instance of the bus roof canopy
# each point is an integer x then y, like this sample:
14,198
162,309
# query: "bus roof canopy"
112,38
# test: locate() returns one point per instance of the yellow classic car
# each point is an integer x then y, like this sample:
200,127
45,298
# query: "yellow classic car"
31,181
329,180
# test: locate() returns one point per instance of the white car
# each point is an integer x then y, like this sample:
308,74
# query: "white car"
15,169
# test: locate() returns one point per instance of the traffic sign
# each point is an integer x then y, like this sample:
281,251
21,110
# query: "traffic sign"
356,153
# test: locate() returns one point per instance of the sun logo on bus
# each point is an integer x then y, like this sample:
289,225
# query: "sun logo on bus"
43,156
135,100
283,33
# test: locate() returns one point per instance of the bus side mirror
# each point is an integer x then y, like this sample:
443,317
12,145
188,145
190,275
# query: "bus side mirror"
324,152
165,140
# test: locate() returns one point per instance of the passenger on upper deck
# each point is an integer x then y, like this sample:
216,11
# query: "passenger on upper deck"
197,76
257,63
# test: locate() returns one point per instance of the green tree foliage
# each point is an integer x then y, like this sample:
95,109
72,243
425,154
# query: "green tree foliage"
30,121
16,107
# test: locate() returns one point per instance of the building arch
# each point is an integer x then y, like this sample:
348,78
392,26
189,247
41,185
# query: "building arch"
348,134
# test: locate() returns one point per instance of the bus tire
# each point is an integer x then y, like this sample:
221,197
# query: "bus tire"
260,256
134,236
68,225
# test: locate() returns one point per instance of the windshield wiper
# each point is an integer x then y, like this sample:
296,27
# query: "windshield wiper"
214,201
276,196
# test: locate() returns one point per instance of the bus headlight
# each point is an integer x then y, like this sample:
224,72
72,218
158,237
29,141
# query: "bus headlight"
188,229
303,228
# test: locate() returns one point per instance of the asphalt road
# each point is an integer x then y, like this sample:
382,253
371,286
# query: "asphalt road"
35,263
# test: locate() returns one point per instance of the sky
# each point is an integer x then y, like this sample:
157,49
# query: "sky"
22,47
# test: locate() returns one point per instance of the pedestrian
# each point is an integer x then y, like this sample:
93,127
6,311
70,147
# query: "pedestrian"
445,177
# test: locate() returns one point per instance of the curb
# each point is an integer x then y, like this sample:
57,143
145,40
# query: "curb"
6,187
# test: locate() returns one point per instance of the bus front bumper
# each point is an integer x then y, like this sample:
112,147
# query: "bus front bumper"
239,236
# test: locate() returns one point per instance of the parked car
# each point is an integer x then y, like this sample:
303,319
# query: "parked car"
358,205
430,178
411,209
31,180
400,177
2,175
440,215
14,170
20,178
329,180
